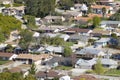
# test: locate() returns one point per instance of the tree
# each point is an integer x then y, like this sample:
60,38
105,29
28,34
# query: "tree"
30,77
104,11
98,68
96,21
66,4
39,8
116,16
113,35
67,51
32,69
26,39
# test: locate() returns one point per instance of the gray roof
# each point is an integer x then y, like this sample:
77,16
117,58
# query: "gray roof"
88,50
86,62
110,22
79,37
57,49
108,61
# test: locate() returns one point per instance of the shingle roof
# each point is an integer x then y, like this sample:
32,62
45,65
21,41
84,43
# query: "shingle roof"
100,7
77,30
5,54
86,77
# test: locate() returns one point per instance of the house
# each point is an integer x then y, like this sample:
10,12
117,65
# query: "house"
53,19
101,32
102,42
30,58
78,6
54,49
109,63
85,64
6,2
79,39
78,30
52,28
85,77
49,74
7,56
105,2
89,64
97,9
89,52
110,25
18,70
65,78
65,37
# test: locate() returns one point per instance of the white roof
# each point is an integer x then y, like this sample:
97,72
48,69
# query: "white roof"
84,7
3,45
57,49
36,34
89,50
65,78
108,61
103,40
86,62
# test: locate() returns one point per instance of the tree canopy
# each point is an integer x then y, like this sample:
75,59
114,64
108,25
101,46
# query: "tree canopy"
8,24
116,16
39,8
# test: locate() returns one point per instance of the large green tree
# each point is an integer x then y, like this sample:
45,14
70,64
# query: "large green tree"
98,68
26,39
67,51
39,8
96,21
116,16
66,4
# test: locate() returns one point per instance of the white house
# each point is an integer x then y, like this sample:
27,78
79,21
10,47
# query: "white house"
65,78
102,42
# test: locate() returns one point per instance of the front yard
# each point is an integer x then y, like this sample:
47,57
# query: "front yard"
112,72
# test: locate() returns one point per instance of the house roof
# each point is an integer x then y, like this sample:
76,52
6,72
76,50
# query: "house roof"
50,73
103,32
108,61
18,8
53,17
33,57
6,54
86,62
88,50
100,6
57,49
15,69
105,0
86,77
77,30
110,22
79,37
103,40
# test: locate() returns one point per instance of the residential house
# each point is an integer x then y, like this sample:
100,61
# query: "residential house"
97,9
102,42
89,64
49,74
52,28
79,39
30,58
105,2
65,37
85,64
54,49
89,52
78,6
110,25
109,63
65,78
7,56
18,70
6,2
54,19
78,30
100,33
85,77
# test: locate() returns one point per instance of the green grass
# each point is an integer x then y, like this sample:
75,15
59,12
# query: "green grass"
68,44
3,62
113,72
63,68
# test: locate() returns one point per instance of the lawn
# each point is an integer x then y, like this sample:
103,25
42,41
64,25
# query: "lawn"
113,72
3,62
